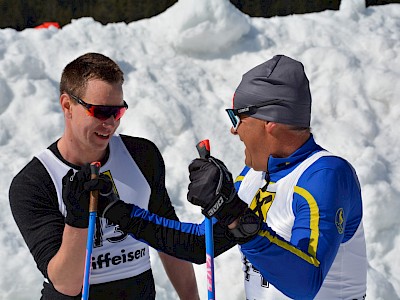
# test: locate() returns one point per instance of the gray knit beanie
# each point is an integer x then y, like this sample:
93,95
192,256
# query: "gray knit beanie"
281,81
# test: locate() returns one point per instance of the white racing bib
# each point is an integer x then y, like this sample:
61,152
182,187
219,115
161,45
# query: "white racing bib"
115,255
346,272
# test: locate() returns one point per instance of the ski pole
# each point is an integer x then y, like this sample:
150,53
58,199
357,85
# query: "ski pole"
203,148
94,170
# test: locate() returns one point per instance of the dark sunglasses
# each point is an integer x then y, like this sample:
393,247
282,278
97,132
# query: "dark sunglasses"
234,113
102,112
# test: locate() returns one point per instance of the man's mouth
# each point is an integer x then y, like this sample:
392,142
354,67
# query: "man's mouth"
102,135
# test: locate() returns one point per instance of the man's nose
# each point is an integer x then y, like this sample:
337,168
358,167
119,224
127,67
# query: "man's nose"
109,122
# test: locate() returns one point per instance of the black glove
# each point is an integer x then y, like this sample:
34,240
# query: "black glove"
211,187
76,198
104,185
76,194
109,205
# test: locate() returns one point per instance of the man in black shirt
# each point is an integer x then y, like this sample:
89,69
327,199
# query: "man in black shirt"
55,232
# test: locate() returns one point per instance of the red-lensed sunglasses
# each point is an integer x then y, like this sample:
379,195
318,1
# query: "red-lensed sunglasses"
102,112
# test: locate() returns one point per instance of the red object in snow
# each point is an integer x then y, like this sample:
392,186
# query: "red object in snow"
47,25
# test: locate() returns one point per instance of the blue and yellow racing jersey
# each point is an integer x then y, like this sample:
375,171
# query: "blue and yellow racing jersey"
311,245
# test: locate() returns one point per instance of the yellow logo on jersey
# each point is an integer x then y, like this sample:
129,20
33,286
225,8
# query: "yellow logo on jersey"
108,173
339,220
261,202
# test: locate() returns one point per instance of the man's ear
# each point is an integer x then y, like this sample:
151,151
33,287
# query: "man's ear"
269,126
65,102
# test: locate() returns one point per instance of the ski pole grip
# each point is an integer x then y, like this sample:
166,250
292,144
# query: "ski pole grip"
203,147
94,195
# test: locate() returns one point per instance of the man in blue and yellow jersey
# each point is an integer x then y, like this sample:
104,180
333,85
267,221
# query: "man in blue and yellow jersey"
311,242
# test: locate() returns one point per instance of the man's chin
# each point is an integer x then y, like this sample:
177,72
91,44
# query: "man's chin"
100,143
248,163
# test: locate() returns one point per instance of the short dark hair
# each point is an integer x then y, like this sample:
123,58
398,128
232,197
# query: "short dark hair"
77,73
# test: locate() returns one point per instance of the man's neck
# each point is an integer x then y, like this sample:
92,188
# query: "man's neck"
77,155
291,143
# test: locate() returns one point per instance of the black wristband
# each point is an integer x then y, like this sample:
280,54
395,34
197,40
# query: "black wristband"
248,226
